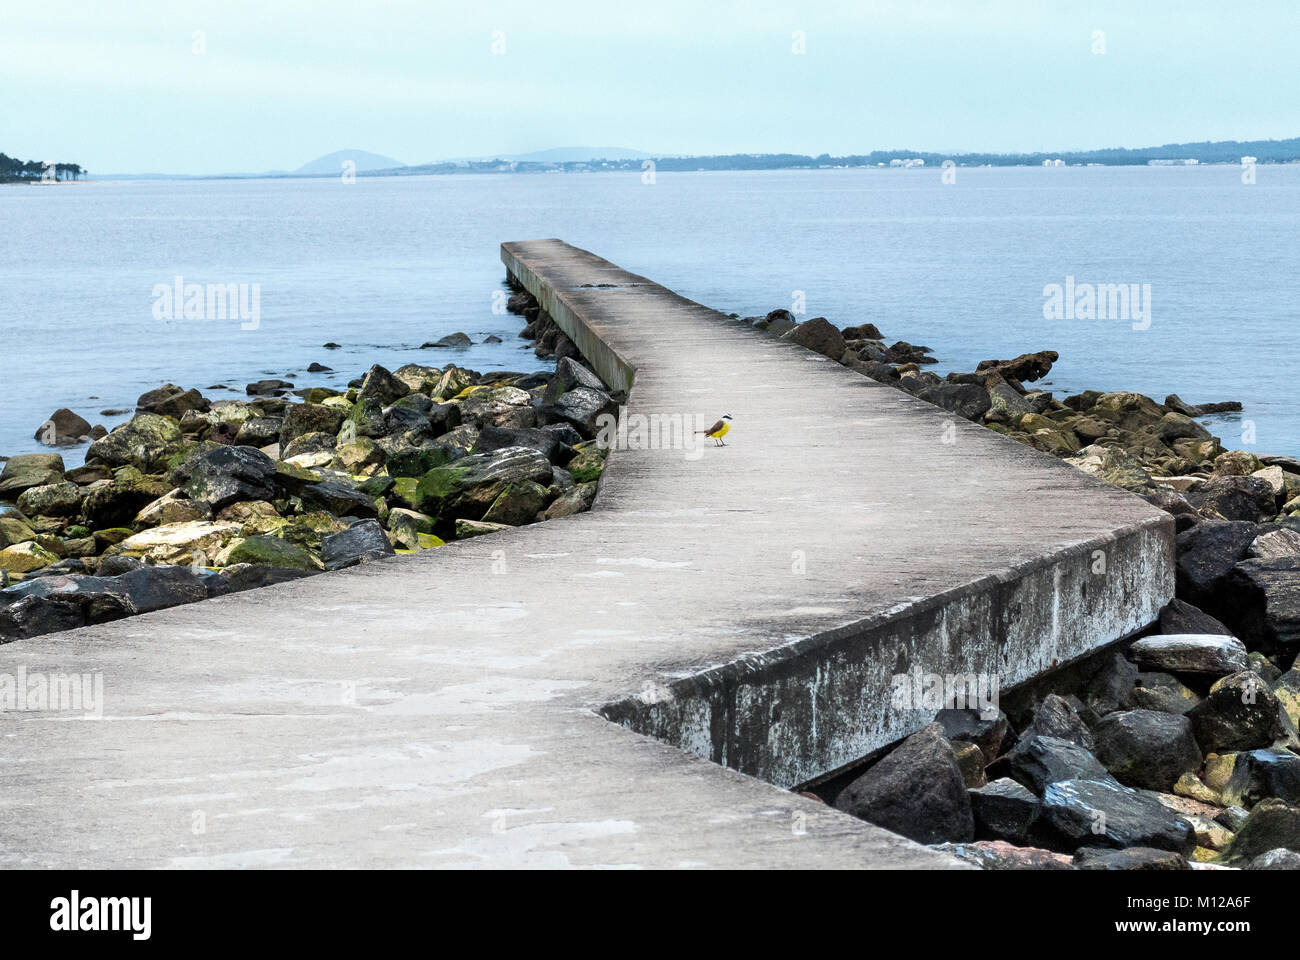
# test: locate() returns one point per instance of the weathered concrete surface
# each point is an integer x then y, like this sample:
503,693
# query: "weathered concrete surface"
444,709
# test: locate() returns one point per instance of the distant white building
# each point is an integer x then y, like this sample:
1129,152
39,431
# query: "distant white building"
1058,162
1189,162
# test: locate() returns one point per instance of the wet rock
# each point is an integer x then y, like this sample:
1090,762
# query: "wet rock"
1144,748
915,790
583,407
158,587
970,726
818,334
1004,810
268,388
1000,855
1134,858
1211,654
1039,761
52,500
1107,814
546,442
1163,692
1272,824
1263,597
28,470
227,475
36,616
339,500
569,374
1174,402
777,322
169,400
62,428
362,542
468,487
451,340
967,400
145,442
1206,556
1247,499
1239,713
1179,616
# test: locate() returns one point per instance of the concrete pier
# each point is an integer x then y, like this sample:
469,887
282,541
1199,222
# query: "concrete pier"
633,686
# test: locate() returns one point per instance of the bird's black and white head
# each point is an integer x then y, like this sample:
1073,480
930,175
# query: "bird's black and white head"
726,416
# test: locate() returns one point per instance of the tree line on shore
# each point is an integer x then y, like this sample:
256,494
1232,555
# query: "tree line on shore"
14,170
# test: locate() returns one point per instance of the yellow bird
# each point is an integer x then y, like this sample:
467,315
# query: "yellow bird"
718,430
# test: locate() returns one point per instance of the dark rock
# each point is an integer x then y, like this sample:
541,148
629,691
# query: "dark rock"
583,407
247,576
379,384
1004,810
1263,602
970,726
35,616
468,487
1143,748
52,500
264,388
1248,499
145,441
1057,717
29,470
117,503
1206,555
546,442
62,428
1272,824
879,371
1239,713
227,475
169,400
967,400
915,790
360,543
1258,774
1107,814
157,587
863,331
258,432
1163,692
1027,366
338,499
1176,403
818,334
1134,858
451,340
904,352
1278,859
1110,685
569,373
1042,760
97,599
1210,654
319,368
1181,617
301,419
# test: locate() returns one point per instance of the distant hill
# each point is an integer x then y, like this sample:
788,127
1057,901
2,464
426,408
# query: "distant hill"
332,163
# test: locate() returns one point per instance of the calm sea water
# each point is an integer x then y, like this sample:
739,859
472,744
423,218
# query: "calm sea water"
383,265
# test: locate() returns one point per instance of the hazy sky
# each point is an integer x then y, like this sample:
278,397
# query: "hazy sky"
116,85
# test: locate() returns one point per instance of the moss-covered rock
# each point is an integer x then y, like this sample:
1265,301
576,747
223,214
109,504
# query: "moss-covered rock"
271,551
587,464
25,557
146,442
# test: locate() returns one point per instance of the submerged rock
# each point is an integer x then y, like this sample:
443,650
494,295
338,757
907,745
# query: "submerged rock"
62,428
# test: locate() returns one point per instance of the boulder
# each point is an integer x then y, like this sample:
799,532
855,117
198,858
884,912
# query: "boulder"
1278,859
51,500
36,616
1262,600
1134,858
1239,713
1163,692
1179,616
1039,761
574,500
158,587
818,334
339,500
1206,555
169,400
967,400
268,388
1236,463
1000,855
15,529
569,373
1144,748
247,576
378,384
468,487
1106,814
517,504
450,341
97,599
194,542
304,418
1247,499
547,442
171,507
1272,824
25,557
119,501
1278,543
28,470
62,428
227,475
1004,810
1210,654
1056,717
971,726
1249,776
362,542
915,790
271,551
583,407
146,442
476,528
1027,367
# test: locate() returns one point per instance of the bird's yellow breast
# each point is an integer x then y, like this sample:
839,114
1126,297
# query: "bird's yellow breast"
722,431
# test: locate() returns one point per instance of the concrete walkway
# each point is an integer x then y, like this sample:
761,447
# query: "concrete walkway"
749,606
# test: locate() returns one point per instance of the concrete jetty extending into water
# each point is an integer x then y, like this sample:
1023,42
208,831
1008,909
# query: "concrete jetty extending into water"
634,686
